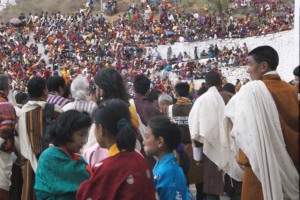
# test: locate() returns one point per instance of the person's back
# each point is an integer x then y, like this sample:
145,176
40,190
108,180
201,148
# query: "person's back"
124,174
144,107
131,176
55,85
31,131
206,126
179,112
80,92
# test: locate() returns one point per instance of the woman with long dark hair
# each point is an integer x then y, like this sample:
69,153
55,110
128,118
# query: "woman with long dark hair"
109,84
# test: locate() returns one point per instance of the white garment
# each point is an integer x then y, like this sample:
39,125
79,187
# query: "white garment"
206,126
25,145
257,131
91,138
6,163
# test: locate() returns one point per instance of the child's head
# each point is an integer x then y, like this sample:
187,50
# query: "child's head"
162,136
70,130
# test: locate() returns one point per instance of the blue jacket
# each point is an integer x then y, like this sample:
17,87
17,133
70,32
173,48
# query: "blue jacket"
169,179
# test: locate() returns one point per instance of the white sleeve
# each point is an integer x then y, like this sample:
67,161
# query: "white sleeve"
194,121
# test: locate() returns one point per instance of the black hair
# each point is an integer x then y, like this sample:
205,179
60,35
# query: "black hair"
265,54
21,98
36,87
182,89
67,92
153,95
55,82
161,126
68,122
202,90
92,88
4,82
141,84
114,116
213,78
296,71
229,87
112,84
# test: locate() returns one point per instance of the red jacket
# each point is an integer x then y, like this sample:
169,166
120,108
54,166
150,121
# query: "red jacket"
125,176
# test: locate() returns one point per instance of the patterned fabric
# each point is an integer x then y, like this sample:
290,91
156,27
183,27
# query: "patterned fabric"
28,182
55,98
169,179
35,127
81,105
7,118
213,178
59,175
34,124
124,176
7,127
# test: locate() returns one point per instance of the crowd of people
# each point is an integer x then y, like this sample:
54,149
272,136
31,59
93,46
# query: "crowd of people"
101,119
85,41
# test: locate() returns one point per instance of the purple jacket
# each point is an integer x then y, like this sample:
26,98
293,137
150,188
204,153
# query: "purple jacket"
145,108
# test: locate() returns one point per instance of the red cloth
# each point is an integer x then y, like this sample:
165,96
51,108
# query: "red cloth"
123,176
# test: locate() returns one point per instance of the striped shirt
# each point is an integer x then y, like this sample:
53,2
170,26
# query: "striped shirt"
81,105
53,97
7,117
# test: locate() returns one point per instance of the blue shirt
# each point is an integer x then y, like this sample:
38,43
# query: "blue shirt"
169,179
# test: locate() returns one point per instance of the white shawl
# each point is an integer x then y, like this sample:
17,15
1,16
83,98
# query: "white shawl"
257,131
25,144
206,126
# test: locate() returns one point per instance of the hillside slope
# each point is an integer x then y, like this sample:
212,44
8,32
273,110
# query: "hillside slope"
71,6
36,6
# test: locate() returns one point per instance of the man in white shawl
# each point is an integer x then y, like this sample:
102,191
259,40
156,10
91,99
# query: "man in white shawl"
263,118
206,126
30,130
